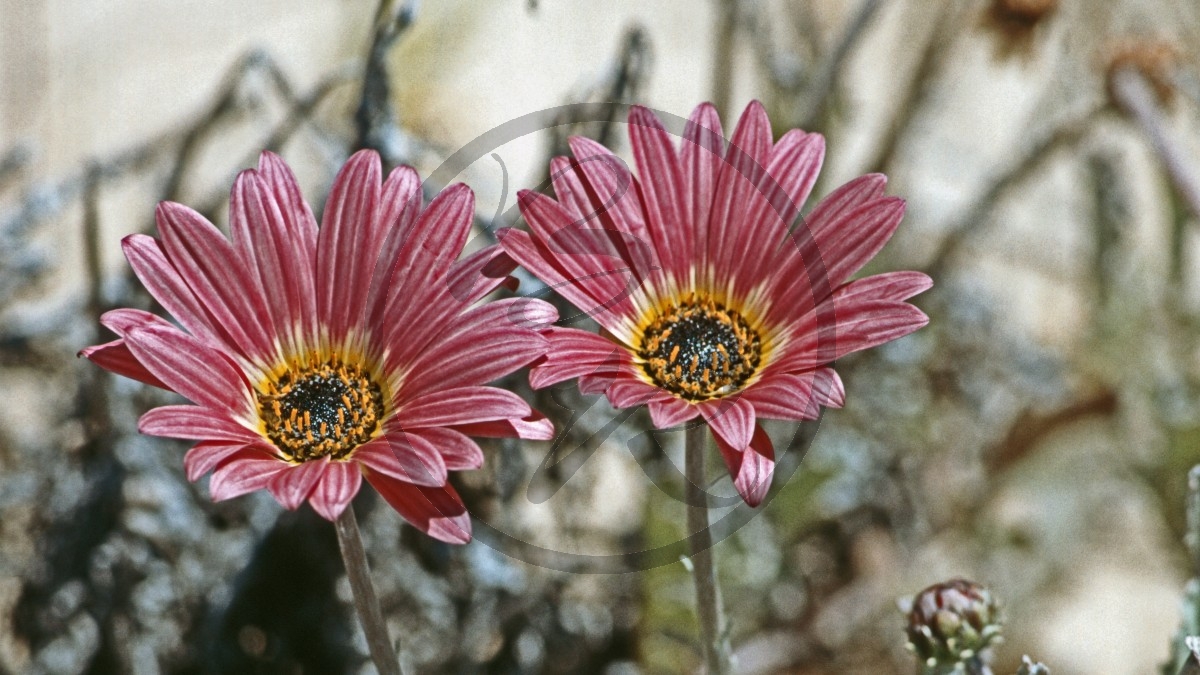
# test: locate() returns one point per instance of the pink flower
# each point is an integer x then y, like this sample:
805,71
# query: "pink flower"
316,357
710,304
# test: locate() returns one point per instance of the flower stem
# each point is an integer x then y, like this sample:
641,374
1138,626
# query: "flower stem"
717,658
365,602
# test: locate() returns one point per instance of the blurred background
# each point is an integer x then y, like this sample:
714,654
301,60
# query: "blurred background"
1035,437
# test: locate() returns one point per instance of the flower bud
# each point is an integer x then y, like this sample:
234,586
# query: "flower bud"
952,622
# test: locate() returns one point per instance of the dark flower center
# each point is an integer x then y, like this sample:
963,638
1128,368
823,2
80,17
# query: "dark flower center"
699,349
322,410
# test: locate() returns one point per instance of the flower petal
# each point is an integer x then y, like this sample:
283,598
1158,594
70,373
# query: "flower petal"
784,396
752,468
731,419
203,257
190,367
115,357
887,286
480,346
462,405
745,162
573,353
249,469
436,511
348,243
205,456
294,484
860,323
480,273
828,388
668,412
150,265
279,258
336,490
400,204
627,391
533,427
194,423
662,189
405,456
702,155
459,452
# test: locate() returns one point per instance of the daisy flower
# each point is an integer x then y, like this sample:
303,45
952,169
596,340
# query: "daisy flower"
316,357
714,299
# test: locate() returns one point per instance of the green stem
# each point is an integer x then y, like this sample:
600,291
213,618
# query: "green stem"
717,657
365,602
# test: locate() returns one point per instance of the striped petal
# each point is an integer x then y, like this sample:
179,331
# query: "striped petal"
752,468
404,456
731,420
292,486
194,423
204,457
247,470
436,511
338,486
348,243
463,405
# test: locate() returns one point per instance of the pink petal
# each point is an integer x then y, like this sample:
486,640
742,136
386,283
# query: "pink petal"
574,353
298,218
752,468
405,456
702,155
204,457
204,257
731,419
662,190
121,321
189,367
486,343
400,203
845,245
668,412
887,286
194,423
859,191
534,427
247,470
577,290
418,301
348,243
115,357
463,405
284,266
459,452
479,273
746,160
162,280
828,388
610,187
336,489
436,511
860,323
784,396
627,391
587,256
776,202
295,483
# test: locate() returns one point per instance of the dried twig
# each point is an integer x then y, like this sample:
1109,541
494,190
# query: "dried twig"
376,117
821,87
1137,99
1064,136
